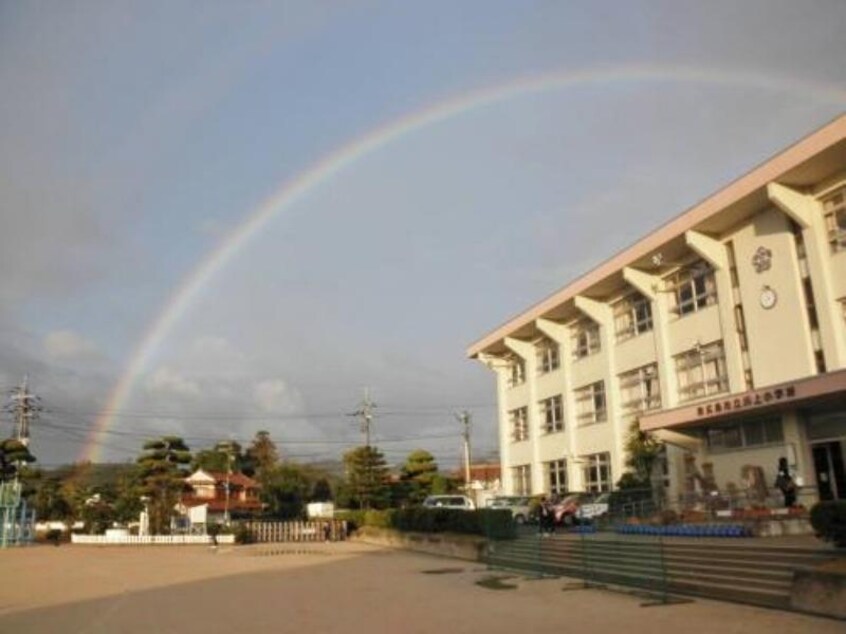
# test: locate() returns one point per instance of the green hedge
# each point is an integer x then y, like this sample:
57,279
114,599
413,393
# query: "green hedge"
493,523
829,521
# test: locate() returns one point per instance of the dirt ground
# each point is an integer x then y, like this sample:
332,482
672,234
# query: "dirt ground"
329,588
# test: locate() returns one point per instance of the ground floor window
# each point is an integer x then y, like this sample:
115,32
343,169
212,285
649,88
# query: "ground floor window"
556,476
522,479
597,472
750,433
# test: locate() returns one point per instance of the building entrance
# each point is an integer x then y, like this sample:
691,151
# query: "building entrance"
828,465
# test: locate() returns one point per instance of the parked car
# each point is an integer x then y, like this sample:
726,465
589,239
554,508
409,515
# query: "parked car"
449,502
566,510
594,509
519,505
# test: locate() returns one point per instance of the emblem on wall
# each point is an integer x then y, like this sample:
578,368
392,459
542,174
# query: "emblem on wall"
762,260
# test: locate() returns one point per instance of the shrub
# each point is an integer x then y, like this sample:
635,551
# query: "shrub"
829,521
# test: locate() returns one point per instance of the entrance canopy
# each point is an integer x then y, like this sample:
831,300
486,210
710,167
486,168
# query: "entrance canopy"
829,387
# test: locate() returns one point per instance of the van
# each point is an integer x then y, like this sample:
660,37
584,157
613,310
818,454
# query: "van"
449,502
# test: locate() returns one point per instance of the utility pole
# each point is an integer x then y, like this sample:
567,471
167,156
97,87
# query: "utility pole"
464,418
24,407
365,414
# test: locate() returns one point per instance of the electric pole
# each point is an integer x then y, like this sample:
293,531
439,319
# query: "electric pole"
24,407
365,414
464,419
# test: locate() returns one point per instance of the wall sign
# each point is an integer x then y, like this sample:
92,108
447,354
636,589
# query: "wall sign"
762,260
753,399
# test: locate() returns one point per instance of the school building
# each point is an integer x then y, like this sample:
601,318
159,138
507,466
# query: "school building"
723,333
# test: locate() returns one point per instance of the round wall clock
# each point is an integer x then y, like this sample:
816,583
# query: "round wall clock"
768,297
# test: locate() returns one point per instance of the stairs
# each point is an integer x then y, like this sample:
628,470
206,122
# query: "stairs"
741,571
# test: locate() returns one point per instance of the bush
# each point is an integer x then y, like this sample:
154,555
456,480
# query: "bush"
829,521
494,523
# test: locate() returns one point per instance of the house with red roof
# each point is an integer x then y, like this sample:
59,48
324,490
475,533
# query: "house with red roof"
208,490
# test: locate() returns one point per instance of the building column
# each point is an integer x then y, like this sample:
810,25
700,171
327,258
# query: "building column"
714,252
500,368
526,351
805,211
560,334
602,314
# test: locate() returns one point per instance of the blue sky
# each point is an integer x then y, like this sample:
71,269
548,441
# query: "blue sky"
135,137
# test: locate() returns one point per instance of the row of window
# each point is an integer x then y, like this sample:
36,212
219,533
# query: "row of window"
700,372
692,288
834,208
596,475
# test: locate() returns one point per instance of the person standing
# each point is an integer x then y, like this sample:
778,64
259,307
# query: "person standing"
784,483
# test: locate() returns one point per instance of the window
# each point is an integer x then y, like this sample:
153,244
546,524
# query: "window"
597,472
752,433
519,419
590,403
693,288
640,389
556,476
702,371
834,208
522,479
585,339
516,372
548,356
552,414
632,316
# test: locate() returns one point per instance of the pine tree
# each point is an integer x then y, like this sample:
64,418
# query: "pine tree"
367,477
162,478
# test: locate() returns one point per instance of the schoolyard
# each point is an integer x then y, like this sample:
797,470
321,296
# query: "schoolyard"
326,588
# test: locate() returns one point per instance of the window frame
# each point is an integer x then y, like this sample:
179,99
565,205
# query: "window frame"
628,323
548,356
834,213
742,432
598,465
593,394
518,420
521,479
556,476
552,418
516,372
638,380
698,360
586,340
693,287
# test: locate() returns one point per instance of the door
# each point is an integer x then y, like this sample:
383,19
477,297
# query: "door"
829,467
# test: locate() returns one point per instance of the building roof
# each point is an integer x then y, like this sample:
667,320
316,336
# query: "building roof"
220,477
805,163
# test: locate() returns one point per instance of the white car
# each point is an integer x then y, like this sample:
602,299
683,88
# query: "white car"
519,505
594,509
449,502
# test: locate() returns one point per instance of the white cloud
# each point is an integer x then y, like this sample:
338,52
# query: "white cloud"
275,396
66,344
168,381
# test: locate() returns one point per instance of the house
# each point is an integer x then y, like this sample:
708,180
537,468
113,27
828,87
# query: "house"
723,333
209,489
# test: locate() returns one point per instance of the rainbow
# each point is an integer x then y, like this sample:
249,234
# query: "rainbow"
295,189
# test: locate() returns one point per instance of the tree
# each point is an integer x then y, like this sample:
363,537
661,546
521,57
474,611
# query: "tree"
262,456
13,454
367,477
321,491
224,455
642,452
419,473
162,478
284,491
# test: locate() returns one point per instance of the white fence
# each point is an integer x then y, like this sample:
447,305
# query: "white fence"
155,540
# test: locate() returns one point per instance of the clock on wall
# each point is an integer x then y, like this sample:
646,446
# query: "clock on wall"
768,297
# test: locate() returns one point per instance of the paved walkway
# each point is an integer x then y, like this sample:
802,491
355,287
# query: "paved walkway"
328,588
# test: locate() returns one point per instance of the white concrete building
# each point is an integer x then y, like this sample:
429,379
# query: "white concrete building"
723,332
